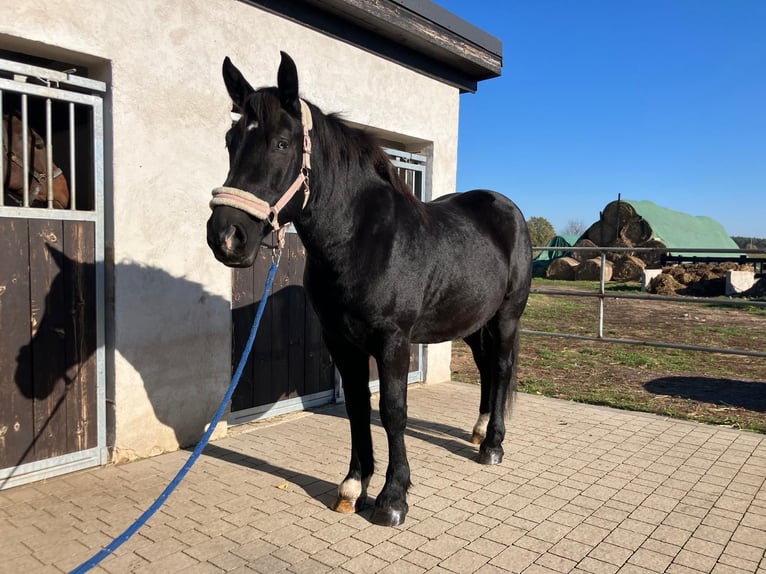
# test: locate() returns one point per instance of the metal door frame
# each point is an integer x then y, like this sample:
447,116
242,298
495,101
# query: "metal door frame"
91,94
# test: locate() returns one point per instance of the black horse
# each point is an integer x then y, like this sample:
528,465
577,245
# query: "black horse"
383,269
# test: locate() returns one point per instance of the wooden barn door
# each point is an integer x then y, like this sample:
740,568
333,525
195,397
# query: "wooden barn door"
51,287
289,368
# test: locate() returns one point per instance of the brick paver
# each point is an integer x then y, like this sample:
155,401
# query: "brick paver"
581,489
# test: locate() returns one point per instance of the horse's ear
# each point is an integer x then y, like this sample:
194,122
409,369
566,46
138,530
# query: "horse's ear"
287,83
236,83
57,256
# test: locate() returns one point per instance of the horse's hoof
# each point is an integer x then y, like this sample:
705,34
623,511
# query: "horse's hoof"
476,438
349,505
388,516
494,456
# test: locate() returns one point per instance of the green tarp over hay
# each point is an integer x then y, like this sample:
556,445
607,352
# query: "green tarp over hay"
634,223
557,241
678,229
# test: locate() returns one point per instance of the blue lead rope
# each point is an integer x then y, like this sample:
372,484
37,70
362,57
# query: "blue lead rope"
149,512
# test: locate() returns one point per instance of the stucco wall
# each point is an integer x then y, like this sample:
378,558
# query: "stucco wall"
167,112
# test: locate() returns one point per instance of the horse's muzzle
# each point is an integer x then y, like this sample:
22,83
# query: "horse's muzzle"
230,242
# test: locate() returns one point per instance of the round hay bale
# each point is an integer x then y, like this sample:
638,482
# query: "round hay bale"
664,284
653,259
584,255
590,270
637,231
628,268
618,213
593,233
562,268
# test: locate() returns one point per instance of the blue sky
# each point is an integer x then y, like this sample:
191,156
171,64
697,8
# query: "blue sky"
662,100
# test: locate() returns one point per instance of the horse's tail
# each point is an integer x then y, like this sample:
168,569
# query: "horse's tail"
519,284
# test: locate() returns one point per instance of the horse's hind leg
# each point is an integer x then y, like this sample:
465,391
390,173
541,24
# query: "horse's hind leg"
478,346
354,368
502,349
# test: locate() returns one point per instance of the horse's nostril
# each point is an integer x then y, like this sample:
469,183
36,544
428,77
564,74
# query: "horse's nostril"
232,237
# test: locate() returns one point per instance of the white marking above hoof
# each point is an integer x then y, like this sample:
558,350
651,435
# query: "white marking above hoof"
480,428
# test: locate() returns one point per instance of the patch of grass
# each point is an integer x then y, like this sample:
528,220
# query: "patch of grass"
633,401
542,283
726,331
633,358
759,311
618,375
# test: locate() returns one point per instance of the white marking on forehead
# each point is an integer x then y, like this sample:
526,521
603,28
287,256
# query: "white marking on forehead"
252,126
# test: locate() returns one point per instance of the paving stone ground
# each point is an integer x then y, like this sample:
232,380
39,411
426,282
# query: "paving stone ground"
581,489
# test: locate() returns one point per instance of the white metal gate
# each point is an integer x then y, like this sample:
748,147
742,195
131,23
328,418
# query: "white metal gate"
52,373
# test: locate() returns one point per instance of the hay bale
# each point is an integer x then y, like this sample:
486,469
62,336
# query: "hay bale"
585,255
636,231
619,242
593,233
562,268
628,268
618,213
664,284
616,217
590,270
653,259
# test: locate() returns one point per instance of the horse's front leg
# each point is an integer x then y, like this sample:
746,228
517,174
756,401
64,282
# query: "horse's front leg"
393,363
354,368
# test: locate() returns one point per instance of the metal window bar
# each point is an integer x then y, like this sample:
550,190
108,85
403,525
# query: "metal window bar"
2,174
602,295
412,168
72,162
24,149
49,150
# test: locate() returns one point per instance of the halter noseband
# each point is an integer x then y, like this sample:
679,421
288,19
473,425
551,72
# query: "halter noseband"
247,202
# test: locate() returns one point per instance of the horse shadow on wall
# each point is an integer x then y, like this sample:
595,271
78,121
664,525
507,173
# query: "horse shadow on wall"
53,362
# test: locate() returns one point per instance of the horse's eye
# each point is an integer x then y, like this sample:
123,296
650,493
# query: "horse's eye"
282,144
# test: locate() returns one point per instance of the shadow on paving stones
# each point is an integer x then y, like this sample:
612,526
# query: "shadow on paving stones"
456,440
320,490
453,439
750,395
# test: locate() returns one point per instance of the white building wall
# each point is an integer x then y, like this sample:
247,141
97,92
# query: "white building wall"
167,112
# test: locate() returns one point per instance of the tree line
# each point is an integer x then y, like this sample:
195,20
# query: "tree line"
749,242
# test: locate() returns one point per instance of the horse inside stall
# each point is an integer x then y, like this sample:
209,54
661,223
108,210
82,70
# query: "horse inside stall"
383,270
37,170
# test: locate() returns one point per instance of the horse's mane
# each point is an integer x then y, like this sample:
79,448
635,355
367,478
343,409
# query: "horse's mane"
361,149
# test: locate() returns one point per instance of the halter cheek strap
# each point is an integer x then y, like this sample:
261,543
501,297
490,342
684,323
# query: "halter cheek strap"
247,202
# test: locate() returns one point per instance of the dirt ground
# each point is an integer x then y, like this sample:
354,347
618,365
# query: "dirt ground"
709,387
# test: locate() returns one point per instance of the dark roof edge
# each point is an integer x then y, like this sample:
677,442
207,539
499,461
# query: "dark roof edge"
454,24
417,34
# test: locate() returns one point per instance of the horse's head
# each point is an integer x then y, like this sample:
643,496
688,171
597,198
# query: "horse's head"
37,173
267,184
59,351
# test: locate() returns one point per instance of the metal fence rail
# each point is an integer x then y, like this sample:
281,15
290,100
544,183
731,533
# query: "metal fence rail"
602,295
